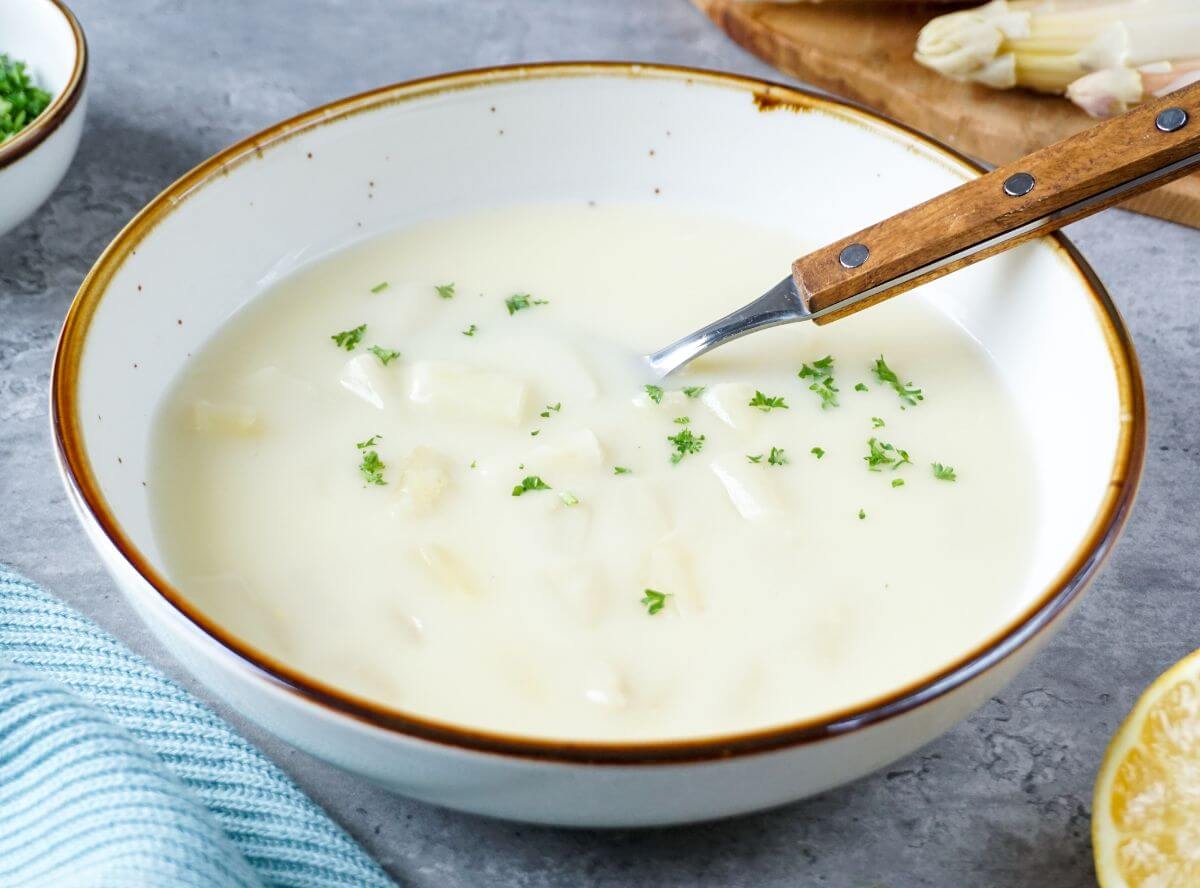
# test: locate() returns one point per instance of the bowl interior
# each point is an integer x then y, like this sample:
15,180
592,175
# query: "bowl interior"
575,134
38,33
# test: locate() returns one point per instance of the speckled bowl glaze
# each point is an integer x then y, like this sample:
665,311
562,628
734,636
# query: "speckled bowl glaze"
45,35
574,133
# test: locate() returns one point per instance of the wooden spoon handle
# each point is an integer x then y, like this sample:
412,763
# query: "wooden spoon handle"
1152,144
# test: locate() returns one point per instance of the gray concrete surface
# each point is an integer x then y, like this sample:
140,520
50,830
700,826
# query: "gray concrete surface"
1002,800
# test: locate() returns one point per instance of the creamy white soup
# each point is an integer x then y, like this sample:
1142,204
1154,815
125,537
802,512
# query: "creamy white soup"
432,470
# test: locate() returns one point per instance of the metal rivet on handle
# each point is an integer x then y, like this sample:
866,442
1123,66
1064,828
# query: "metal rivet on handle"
1171,119
854,255
1019,184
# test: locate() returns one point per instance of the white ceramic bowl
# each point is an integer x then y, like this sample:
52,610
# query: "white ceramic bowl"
578,132
45,35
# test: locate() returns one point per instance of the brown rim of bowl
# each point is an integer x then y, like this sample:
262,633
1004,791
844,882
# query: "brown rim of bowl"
44,125
1071,580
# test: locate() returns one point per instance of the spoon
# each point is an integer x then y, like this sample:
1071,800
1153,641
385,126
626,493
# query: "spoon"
1043,191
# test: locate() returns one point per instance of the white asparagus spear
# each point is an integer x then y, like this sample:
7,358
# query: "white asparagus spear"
1114,91
1048,44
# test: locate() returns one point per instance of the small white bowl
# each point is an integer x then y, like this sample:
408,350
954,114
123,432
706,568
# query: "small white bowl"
45,35
573,133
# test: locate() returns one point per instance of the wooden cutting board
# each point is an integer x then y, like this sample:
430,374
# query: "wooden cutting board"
863,51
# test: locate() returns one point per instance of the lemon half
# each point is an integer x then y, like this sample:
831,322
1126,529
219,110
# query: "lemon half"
1146,809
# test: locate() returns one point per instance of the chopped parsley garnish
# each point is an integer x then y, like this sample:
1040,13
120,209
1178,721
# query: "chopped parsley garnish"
876,422
882,454
474,463
385,355
470,331
370,442
821,374
861,514
568,498
20,100
654,601
823,367
877,455
621,470
754,458
349,339
897,482
682,420
694,391
521,301
944,473
908,394
446,291
817,452
536,432
685,442
545,414
777,458
767,404
379,287
530,482
861,387
372,466
655,393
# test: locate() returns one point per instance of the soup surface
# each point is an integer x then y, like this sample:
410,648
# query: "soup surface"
432,471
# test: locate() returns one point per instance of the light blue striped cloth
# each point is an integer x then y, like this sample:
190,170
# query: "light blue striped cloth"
113,776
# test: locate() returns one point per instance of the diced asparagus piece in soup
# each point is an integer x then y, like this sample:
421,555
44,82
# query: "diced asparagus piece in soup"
467,391
227,419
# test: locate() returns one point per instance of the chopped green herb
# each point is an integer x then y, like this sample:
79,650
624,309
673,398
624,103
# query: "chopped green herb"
908,394
877,455
530,482
655,393
861,514
876,422
568,498
474,463
882,454
470,331
446,291
767,404
682,420
944,473
545,414
520,302
861,387
385,355
370,442
685,442
20,100
818,369
754,458
621,470
777,458
897,482
817,452
821,373
349,339
379,287
372,467
655,601
694,391
536,432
